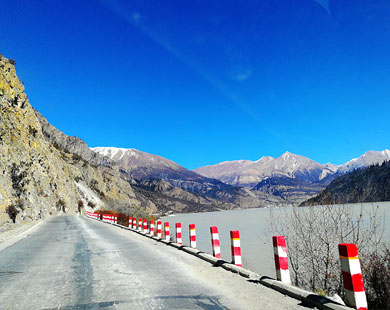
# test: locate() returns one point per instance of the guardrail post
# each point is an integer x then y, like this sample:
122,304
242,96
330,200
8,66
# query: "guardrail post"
281,259
116,219
236,247
130,221
145,226
134,223
139,224
166,231
179,239
355,295
152,228
192,236
159,229
215,242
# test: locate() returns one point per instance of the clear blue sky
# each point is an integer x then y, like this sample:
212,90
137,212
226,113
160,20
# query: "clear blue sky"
201,82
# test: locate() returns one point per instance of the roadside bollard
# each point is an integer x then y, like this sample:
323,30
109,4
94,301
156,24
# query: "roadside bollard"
116,219
166,231
145,226
215,242
236,247
139,224
152,228
281,259
130,221
159,229
192,236
179,239
355,295
134,223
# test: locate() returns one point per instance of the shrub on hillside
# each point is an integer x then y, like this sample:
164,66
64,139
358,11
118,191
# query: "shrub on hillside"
376,272
12,212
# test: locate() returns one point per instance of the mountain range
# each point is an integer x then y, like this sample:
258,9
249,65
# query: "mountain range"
248,173
288,179
174,183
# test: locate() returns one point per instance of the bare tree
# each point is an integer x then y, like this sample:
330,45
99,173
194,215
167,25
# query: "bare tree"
313,235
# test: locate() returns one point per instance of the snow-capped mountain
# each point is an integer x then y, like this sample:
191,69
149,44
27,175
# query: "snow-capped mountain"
289,178
141,165
249,173
367,159
177,184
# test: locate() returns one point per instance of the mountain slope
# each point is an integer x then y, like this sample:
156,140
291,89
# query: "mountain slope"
249,174
292,178
363,185
40,178
367,159
141,165
170,180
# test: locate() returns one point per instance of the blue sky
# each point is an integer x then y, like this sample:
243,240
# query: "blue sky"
201,82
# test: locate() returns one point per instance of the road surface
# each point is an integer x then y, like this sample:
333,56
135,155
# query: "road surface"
72,262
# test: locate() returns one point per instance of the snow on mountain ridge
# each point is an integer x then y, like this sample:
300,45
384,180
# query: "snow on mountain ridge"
367,159
287,165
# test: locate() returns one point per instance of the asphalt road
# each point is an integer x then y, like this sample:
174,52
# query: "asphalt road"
78,263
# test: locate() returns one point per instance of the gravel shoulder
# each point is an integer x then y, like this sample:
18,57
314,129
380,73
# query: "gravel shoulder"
23,230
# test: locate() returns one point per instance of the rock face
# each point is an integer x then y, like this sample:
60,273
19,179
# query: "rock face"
44,172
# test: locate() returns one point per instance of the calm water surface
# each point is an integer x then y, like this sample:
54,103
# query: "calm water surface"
255,232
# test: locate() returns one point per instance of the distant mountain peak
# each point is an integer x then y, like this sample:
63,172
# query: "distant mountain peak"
248,173
367,159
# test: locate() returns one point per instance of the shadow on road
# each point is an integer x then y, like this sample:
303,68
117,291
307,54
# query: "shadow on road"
168,302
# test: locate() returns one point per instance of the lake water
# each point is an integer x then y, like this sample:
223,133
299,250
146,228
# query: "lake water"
255,232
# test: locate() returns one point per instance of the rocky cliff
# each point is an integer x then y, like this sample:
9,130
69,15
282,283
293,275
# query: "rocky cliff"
44,172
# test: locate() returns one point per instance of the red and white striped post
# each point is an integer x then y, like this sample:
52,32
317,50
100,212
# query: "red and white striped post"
166,231
139,224
281,259
192,236
130,221
145,226
111,219
236,247
152,228
159,224
179,239
134,223
355,295
215,242
116,219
